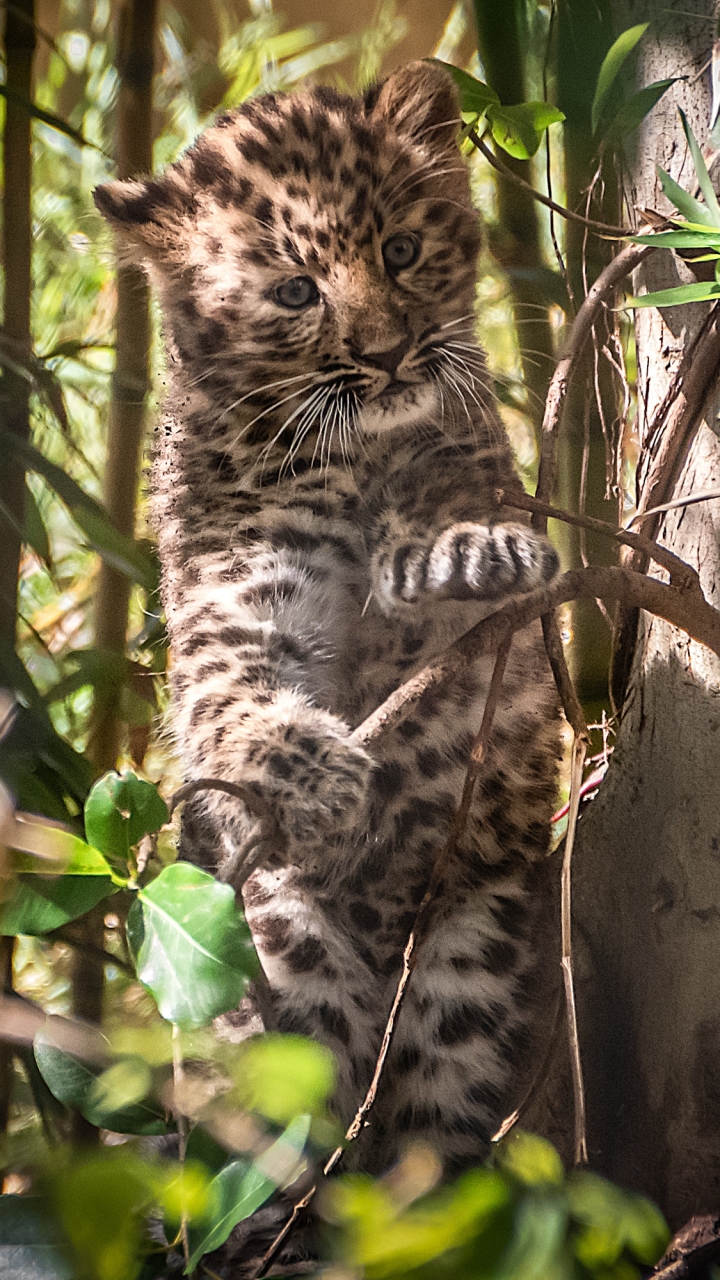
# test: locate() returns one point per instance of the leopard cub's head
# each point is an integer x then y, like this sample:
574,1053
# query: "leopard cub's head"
315,259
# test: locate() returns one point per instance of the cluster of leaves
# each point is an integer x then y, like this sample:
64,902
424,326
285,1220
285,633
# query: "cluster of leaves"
256,1111
696,234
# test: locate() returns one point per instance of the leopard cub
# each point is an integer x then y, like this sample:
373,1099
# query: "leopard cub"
324,486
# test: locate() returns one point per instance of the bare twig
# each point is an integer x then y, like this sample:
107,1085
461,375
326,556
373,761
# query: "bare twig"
182,1127
578,761
692,498
510,1121
254,802
608,229
599,292
418,932
680,572
556,657
684,607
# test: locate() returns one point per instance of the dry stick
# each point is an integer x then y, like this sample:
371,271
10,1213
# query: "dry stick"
689,501
608,228
578,761
178,1078
685,607
680,572
668,440
417,934
607,282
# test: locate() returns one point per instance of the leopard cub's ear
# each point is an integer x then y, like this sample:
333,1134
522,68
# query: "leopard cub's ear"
151,216
420,101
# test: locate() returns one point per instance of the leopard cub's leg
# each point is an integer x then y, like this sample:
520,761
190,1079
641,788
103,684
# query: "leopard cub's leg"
464,562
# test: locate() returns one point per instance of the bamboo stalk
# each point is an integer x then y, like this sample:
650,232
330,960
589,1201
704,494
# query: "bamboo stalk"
15,396
137,19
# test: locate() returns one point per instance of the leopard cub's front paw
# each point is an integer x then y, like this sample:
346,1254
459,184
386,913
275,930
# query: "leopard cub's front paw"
316,784
469,562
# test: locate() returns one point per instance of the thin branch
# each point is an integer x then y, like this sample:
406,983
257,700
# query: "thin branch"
182,1127
683,607
578,761
680,572
608,229
241,791
689,501
574,713
417,934
607,282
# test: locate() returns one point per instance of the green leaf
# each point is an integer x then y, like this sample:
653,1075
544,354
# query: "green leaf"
611,64
613,1221
102,1094
114,547
103,1200
703,176
282,1075
519,130
537,1247
40,902
32,1246
687,205
120,810
38,905
633,112
702,292
34,532
100,668
194,950
530,1159
709,239
238,1191
475,96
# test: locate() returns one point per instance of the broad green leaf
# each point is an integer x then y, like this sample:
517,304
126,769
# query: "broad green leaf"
530,1159
32,1245
60,877
385,1242
39,904
120,810
633,112
687,205
103,1200
702,292
282,1075
681,239
237,1191
193,948
537,1248
104,1099
613,1221
703,176
519,130
120,551
475,96
611,64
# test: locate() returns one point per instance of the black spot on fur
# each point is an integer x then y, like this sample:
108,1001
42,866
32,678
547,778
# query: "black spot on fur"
365,916
462,1021
306,956
335,1022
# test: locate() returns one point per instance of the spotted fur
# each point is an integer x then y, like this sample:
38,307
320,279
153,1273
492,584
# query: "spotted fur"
324,497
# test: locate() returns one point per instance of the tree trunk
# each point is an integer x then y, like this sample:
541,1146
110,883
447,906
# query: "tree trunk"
647,860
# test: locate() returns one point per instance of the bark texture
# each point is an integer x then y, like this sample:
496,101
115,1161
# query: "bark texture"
647,861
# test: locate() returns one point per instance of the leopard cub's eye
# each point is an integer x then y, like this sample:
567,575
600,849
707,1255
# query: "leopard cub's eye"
297,293
400,251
